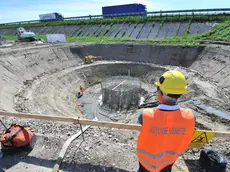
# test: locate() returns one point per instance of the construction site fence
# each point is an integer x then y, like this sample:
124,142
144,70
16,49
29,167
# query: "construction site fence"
192,12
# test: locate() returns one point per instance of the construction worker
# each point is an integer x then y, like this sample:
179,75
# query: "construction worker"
81,92
167,130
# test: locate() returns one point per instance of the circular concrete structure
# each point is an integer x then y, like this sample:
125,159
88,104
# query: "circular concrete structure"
121,93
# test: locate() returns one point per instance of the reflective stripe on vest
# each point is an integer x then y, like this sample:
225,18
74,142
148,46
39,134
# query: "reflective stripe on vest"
158,165
158,156
164,136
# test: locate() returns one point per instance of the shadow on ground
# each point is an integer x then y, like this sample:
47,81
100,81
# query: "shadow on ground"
193,165
11,160
90,168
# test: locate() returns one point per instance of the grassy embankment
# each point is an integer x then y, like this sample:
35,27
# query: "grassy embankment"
189,41
128,19
220,33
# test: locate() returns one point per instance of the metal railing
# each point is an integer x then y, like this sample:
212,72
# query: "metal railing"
215,11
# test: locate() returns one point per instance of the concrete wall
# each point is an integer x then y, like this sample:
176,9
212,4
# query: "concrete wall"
214,63
162,55
20,67
146,30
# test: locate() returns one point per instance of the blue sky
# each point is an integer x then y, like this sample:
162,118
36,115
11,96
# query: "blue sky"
20,10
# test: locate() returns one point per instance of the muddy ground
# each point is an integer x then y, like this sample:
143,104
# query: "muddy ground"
53,92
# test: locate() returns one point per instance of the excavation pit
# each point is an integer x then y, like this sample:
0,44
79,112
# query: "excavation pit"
121,93
44,80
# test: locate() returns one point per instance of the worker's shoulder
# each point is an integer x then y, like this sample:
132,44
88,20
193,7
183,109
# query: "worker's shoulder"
190,110
148,111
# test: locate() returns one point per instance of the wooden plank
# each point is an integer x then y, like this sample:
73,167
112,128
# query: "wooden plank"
92,123
73,120
65,147
222,134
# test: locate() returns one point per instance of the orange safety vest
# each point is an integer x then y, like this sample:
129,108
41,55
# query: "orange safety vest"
164,136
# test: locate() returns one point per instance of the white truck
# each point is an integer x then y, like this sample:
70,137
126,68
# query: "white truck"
23,35
51,16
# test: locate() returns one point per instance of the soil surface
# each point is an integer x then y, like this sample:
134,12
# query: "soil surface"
47,81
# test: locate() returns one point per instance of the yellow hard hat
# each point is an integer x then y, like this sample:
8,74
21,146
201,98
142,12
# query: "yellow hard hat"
172,82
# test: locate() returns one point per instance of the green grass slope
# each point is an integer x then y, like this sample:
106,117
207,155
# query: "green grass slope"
220,33
128,19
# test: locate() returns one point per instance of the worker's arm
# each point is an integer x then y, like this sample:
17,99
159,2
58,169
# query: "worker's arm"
140,119
194,113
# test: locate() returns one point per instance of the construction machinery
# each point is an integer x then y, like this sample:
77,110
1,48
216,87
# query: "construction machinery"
25,36
90,59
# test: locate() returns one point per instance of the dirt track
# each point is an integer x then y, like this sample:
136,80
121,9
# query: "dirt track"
45,81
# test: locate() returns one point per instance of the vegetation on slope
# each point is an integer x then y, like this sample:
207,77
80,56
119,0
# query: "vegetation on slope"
188,41
220,33
127,19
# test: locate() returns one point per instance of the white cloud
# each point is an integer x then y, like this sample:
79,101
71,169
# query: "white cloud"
70,8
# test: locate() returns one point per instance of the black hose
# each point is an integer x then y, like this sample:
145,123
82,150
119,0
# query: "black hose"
3,124
148,105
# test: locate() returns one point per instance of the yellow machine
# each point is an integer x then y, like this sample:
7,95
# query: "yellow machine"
88,59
